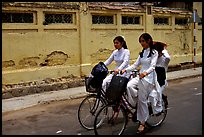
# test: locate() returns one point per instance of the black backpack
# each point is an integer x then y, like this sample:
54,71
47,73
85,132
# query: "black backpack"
161,75
99,72
116,88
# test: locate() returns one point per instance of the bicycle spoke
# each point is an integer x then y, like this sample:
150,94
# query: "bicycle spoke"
113,123
87,111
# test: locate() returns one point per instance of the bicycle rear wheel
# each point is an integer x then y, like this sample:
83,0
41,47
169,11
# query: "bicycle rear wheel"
113,123
87,111
157,119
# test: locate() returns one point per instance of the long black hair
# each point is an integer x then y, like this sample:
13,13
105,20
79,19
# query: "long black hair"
147,37
121,40
159,46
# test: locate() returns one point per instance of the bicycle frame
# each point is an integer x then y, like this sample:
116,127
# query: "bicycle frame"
100,95
121,109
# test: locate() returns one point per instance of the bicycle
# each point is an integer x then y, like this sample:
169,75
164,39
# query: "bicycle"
115,116
90,106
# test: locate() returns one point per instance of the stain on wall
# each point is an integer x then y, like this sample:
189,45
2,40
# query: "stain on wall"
55,58
28,62
6,64
101,55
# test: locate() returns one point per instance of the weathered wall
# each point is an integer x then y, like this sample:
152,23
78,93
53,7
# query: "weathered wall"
36,51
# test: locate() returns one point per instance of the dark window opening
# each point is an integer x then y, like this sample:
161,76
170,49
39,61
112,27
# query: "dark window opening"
130,20
58,18
17,17
181,21
161,21
149,10
98,19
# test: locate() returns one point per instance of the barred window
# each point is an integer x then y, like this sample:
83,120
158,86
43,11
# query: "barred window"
181,21
58,18
130,20
161,21
98,19
17,17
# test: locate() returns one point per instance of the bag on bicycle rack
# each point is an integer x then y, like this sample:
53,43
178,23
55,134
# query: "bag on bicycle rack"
116,88
98,74
161,75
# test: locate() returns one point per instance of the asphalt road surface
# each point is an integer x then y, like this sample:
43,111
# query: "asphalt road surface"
60,118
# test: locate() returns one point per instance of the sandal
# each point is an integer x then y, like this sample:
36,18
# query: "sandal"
141,129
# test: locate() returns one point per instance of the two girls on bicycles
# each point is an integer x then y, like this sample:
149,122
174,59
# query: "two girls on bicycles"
147,77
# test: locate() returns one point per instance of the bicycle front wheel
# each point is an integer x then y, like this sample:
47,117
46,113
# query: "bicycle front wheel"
113,123
87,111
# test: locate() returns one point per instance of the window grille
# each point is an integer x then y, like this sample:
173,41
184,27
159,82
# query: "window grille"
17,17
98,19
58,18
181,21
149,10
130,20
161,21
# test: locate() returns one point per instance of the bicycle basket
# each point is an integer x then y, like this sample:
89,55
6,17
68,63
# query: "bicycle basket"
116,88
89,87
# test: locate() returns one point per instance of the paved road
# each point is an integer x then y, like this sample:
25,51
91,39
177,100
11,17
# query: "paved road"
51,118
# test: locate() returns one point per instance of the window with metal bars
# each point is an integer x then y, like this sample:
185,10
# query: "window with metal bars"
161,21
17,17
102,19
130,20
58,18
181,21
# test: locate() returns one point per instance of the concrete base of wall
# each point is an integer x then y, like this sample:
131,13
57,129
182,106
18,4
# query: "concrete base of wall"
38,74
54,84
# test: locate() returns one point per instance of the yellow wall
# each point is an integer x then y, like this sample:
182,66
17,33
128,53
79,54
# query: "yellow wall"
35,51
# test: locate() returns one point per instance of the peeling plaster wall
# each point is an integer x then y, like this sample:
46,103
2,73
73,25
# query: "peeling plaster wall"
35,52
38,48
27,53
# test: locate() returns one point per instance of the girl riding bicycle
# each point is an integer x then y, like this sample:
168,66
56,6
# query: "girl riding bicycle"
145,83
121,55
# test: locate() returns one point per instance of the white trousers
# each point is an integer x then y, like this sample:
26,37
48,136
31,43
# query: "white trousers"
142,108
155,97
106,82
132,89
141,92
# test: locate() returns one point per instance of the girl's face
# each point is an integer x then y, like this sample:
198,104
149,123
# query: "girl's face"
144,43
117,44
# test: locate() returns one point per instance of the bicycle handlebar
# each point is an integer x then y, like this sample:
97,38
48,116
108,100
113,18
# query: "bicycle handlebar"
120,72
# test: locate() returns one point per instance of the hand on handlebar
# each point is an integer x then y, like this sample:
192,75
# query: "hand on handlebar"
117,71
142,75
122,71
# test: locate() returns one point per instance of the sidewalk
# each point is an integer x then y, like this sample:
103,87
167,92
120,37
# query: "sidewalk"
18,103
